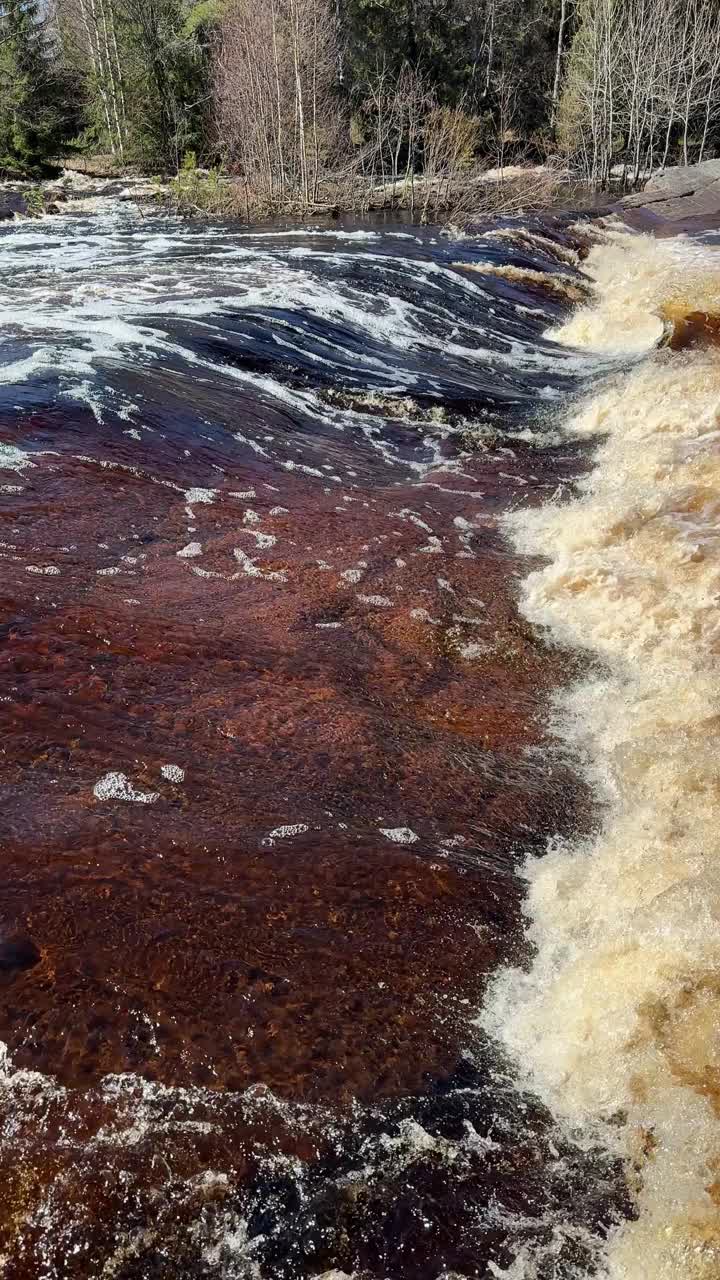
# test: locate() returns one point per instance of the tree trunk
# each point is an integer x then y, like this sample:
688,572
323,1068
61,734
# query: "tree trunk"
558,61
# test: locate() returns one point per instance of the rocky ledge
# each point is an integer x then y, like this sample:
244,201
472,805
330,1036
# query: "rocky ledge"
74,192
679,197
12,202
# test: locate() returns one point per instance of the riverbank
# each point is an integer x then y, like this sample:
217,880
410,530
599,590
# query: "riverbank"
197,193
673,198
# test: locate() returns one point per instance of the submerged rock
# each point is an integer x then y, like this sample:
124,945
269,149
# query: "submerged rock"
17,953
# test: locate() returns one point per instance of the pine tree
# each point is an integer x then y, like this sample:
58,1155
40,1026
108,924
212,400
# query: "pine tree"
34,110
144,69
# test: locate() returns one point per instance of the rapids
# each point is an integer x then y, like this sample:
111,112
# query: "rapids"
615,1025
276,760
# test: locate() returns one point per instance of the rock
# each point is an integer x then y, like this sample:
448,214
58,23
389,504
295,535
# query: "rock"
11,202
91,166
683,195
18,952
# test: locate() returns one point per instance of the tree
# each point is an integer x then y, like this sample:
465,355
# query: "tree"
434,38
278,114
166,62
34,91
562,26
92,27
643,77
145,66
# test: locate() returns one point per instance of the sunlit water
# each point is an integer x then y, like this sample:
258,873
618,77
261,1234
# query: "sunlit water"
275,744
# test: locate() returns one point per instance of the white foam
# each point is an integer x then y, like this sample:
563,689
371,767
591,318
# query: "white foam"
615,1026
117,786
253,570
194,496
172,772
13,459
381,602
399,835
285,832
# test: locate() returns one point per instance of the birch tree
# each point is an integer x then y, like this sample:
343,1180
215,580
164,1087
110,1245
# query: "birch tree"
643,77
279,119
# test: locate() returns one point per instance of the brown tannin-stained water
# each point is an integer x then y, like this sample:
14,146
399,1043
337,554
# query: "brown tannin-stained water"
275,751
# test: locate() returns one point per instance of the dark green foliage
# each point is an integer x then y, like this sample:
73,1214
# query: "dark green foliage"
429,35
135,79
165,50
144,68
36,90
466,50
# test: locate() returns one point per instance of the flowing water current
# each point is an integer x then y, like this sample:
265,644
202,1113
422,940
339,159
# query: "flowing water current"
359,720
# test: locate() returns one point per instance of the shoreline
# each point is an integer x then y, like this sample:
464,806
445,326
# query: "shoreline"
676,200
205,196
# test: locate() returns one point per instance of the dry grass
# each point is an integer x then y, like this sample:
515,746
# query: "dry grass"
458,195
102,166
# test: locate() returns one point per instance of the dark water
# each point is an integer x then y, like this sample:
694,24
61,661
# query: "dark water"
273,750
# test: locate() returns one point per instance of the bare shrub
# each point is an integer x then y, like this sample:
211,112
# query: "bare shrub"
450,137
393,110
279,121
514,192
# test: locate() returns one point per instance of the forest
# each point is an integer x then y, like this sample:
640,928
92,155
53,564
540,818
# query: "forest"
296,102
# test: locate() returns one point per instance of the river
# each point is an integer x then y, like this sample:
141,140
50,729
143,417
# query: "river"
291,706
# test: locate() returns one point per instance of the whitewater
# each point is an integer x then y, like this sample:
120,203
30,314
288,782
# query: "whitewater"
356,924
615,1023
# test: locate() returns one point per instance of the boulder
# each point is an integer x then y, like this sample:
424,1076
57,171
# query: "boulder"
687,195
11,202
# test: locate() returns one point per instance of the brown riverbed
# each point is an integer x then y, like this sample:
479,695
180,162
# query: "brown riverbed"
274,747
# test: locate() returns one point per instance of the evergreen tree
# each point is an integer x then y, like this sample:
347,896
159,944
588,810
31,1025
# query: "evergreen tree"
34,111
165,59
432,36
144,65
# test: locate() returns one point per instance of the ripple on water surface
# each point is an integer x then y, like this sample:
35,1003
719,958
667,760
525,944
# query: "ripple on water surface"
272,744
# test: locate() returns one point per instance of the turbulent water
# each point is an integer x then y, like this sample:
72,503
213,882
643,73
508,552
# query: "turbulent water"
616,1023
280,752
